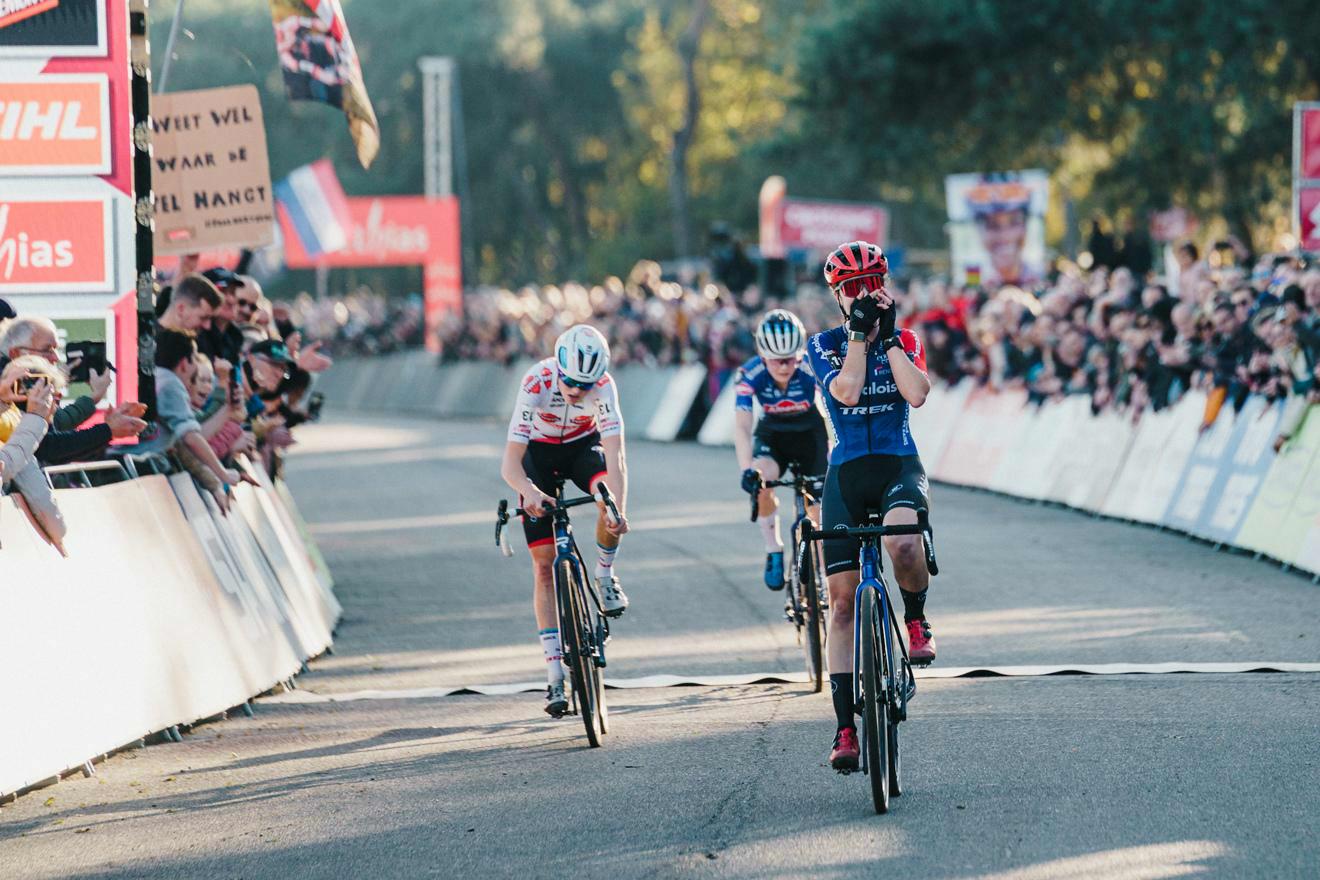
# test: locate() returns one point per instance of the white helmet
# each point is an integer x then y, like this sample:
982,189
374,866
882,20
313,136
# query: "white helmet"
780,334
583,354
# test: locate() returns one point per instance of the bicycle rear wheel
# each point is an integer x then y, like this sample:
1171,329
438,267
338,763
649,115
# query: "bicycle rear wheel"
814,645
875,706
573,647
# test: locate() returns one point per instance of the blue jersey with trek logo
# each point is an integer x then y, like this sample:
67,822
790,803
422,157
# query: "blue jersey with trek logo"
784,409
878,424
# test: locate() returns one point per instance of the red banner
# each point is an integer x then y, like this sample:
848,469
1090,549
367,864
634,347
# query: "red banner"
398,231
1309,159
55,246
823,226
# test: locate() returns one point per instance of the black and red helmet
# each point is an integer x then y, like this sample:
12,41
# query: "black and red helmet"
856,259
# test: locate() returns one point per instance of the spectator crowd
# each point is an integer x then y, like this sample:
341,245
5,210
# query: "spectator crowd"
232,378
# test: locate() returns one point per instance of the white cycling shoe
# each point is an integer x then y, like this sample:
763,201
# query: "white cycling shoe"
612,597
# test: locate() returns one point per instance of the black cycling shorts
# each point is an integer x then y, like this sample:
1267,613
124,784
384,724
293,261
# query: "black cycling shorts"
871,483
808,452
548,465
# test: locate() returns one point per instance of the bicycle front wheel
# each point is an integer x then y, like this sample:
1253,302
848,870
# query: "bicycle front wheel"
875,703
574,648
814,644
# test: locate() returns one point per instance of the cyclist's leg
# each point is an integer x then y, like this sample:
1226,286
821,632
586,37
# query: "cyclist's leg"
817,463
769,460
841,568
540,464
588,470
903,500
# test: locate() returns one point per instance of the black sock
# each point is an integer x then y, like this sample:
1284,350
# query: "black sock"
914,604
841,691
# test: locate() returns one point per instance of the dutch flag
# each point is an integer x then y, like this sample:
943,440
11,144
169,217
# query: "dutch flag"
315,208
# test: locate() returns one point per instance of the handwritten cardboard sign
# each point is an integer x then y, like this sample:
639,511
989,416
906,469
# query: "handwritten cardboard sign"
210,172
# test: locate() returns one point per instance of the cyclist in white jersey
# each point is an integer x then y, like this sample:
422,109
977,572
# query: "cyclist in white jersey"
566,425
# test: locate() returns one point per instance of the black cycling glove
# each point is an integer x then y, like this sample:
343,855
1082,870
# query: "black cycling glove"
886,321
866,310
751,480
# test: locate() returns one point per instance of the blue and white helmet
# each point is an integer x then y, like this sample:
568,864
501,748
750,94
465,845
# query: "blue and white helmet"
780,335
582,354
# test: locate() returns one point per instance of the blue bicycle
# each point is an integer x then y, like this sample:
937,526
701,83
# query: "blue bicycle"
883,682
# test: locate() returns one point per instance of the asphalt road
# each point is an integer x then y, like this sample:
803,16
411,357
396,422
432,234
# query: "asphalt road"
1126,777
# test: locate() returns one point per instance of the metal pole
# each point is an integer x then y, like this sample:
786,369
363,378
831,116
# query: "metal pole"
144,203
169,46
437,129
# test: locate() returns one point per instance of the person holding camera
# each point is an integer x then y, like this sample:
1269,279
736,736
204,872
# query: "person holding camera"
30,388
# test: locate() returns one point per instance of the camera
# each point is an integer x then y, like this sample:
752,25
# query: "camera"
86,357
28,382
314,404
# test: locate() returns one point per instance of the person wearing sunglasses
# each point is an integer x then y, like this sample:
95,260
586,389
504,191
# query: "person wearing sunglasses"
566,425
870,375
791,432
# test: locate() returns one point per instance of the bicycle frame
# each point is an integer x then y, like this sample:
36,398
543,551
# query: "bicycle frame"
872,578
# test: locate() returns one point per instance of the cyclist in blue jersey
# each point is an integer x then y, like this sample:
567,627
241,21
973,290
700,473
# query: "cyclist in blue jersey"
791,432
870,376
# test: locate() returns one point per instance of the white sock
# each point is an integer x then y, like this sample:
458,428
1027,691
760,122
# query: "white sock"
554,669
770,531
605,560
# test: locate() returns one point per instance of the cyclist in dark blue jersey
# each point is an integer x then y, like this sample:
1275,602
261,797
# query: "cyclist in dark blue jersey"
870,377
791,432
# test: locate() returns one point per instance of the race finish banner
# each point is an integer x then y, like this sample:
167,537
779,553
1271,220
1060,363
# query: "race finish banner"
997,227
211,173
397,231
320,63
1306,175
67,219
824,225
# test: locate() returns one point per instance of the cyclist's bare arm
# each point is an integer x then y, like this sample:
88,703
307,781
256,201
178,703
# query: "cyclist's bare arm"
616,477
847,386
511,469
912,383
742,438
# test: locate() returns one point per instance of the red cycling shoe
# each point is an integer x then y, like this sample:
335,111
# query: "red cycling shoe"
921,644
845,754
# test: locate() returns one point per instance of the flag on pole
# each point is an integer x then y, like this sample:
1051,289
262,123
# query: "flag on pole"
320,64
313,205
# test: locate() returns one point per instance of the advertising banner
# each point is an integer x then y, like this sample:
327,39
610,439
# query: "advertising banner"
55,124
997,226
398,231
55,245
1308,216
824,225
211,173
1172,225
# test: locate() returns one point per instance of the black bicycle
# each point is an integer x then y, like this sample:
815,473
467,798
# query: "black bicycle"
883,682
584,629
807,601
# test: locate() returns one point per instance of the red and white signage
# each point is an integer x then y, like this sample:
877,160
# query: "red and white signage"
398,231
55,125
1308,143
823,226
1308,216
55,246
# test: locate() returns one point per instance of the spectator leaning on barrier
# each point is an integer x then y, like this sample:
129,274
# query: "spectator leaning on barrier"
34,383
176,423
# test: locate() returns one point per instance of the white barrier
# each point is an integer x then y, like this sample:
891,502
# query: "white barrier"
162,614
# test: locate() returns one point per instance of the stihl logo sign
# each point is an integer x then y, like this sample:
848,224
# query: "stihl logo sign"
55,125
57,246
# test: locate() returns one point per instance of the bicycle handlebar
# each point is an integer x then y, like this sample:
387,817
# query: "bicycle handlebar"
921,527
502,514
810,486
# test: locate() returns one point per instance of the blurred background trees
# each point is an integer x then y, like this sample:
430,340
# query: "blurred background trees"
575,112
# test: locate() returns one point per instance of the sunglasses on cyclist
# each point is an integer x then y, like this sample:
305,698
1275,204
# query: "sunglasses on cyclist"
860,286
573,383
784,362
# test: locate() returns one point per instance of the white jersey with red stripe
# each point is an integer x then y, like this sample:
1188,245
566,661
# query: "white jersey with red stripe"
544,415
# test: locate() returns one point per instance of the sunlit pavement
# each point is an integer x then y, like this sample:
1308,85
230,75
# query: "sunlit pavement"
1123,776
